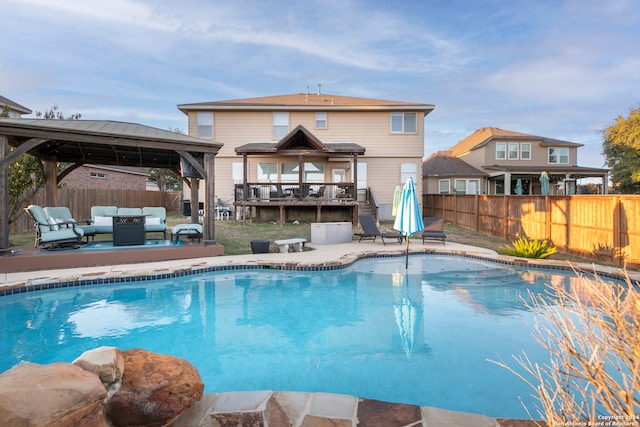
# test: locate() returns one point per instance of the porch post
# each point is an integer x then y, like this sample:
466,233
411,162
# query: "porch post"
507,183
355,177
4,197
50,183
300,174
209,201
195,200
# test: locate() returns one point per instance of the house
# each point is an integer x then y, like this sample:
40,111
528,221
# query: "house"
311,156
107,177
14,109
497,161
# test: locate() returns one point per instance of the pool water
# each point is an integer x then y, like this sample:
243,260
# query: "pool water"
371,330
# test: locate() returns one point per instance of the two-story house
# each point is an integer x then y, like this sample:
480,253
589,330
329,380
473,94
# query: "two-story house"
497,161
311,156
14,110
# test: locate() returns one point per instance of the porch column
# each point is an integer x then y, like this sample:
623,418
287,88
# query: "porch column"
4,197
507,183
605,184
209,201
355,177
50,182
195,200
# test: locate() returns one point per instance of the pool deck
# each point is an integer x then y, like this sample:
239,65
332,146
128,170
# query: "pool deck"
289,408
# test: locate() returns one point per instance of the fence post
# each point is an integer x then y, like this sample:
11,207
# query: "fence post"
505,217
477,209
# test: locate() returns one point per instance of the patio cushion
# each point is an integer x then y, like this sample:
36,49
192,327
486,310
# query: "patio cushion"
103,220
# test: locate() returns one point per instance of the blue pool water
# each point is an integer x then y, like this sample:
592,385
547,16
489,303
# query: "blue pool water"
368,330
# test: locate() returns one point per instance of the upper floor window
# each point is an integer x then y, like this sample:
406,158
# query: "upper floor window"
501,151
513,150
525,151
321,120
559,155
404,123
408,170
205,125
280,124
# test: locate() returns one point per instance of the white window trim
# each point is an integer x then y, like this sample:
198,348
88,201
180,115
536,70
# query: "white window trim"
517,153
559,155
204,121
404,130
522,151
448,183
504,145
277,124
326,123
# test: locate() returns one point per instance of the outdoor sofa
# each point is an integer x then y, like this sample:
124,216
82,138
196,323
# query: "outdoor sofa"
155,219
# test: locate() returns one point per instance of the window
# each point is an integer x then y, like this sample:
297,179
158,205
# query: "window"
408,170
237,172
98,175
559,155
280,124
501,151
443,186
467,186
403,123
268,172
362,176
321,120
525,151
205,125
289,172
513,151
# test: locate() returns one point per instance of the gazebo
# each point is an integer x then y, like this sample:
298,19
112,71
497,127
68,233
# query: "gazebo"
80,142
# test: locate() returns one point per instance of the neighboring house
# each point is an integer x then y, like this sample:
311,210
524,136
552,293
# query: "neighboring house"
496,161
106,178
311,156
15,110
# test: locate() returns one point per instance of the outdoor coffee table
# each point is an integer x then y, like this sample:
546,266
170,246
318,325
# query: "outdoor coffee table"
128,229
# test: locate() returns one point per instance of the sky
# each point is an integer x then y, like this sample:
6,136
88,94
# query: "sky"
562,69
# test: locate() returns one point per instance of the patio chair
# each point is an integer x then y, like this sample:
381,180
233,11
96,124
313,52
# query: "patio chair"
50,234
61,215
156,221
433,229
320,193
370,231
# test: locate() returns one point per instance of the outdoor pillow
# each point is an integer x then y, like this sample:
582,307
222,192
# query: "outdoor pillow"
53,223
103,220
152,221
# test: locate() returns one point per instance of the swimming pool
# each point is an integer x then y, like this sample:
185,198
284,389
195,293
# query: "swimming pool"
369,330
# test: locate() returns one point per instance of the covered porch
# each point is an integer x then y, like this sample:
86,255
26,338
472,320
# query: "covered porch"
562,180
299,178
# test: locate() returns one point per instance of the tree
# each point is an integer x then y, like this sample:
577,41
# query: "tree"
166,179
621,148
26,173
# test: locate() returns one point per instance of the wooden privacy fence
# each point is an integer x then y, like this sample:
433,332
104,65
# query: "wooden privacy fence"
79,202
605,227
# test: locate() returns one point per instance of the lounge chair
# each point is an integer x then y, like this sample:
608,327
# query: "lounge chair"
433,229
49,233
370,230
61,215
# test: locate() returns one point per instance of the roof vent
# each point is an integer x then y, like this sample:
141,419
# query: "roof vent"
319,85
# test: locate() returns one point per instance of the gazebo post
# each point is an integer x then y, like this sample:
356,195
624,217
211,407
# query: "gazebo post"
4,197
209,201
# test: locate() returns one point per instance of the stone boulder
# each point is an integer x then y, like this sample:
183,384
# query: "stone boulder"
55,395
155,389
107,363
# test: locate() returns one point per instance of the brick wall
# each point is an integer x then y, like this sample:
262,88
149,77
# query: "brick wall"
86,177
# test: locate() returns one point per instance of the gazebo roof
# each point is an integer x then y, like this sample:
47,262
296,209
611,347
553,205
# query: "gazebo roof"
102,142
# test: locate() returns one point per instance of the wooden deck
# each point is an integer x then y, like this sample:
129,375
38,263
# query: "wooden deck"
308,209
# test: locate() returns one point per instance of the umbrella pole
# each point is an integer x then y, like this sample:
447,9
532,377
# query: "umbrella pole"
406,263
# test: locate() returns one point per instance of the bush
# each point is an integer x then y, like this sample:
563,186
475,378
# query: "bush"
528,248
591,330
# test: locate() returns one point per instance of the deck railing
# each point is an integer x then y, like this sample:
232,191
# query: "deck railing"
290,192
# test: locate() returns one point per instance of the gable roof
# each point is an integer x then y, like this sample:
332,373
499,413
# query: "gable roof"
306,101
443,164
483,136
301,141
14,105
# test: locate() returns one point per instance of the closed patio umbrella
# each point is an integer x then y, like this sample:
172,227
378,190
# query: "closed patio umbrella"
519,187
397,195
544,183
409,218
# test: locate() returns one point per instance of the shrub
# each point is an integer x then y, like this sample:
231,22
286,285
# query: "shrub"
591,330
528,248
